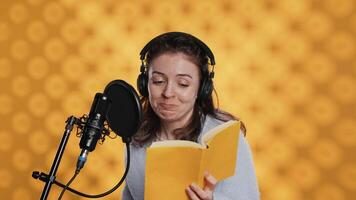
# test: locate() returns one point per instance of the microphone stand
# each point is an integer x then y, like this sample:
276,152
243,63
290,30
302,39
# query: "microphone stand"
57,159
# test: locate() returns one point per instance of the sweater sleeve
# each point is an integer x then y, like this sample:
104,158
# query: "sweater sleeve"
126,195
243,185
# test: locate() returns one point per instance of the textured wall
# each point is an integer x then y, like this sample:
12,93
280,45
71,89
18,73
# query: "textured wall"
287,68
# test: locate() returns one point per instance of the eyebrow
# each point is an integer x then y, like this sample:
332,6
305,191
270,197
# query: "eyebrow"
184,75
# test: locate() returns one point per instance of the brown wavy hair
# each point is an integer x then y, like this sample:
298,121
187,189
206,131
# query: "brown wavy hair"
151,124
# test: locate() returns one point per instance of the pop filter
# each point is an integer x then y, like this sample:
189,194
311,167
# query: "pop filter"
125,113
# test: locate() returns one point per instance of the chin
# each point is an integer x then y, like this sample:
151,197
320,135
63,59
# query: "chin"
167,117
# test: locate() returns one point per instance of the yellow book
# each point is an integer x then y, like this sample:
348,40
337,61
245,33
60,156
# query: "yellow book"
172,165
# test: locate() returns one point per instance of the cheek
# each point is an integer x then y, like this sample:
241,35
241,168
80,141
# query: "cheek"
153,94
188,96
153,91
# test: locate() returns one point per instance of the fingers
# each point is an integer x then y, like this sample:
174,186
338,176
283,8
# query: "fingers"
191,194
195,192
210,182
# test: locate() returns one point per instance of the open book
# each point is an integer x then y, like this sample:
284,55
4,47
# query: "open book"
172,165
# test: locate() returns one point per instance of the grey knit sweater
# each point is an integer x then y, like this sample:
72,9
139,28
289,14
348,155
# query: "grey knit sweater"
241,186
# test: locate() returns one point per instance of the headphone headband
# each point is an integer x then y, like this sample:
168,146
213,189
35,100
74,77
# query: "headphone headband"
200,43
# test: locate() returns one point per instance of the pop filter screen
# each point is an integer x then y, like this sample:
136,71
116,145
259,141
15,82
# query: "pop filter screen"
125,113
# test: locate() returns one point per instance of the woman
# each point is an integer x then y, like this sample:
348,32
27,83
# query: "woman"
176,87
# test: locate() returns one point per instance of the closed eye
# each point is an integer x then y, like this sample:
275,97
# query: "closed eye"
158,82
183,85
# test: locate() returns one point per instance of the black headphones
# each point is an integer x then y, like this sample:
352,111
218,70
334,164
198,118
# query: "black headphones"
206,84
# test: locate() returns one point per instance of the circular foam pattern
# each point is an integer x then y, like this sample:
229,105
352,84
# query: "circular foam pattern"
56,86
318,26
21,194
4,31
92,85
75,104
20,49
329,191
343,89
352,21
297,47
342,45
340,9
6,102
55,49
21,122
35,2
347,129
298,87
323,65
73,68
18,13
347,175
286,68
39,142
38,104
6,178
284,192
323,110
305,173
72,31
5,68
331,151
7,141
53,12
55,123
88,48
21,159
302,132
296,9
37,31
285,154
38,67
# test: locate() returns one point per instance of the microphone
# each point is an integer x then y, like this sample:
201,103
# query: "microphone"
93,128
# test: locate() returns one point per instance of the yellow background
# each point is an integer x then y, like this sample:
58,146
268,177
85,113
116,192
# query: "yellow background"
287,68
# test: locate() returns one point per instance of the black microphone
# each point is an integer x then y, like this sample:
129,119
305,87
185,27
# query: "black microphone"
93,127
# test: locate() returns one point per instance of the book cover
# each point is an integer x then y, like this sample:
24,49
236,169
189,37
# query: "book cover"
172,165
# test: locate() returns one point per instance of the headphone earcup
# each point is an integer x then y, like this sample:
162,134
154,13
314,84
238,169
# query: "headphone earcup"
142,84
206,88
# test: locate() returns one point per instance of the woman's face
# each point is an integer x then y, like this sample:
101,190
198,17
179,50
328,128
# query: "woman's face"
173,86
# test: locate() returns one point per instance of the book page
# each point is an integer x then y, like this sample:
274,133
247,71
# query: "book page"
211,133
219,159
181,143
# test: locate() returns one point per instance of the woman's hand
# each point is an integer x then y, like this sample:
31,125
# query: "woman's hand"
196,193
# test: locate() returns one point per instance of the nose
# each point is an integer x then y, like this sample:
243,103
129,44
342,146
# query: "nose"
168,91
